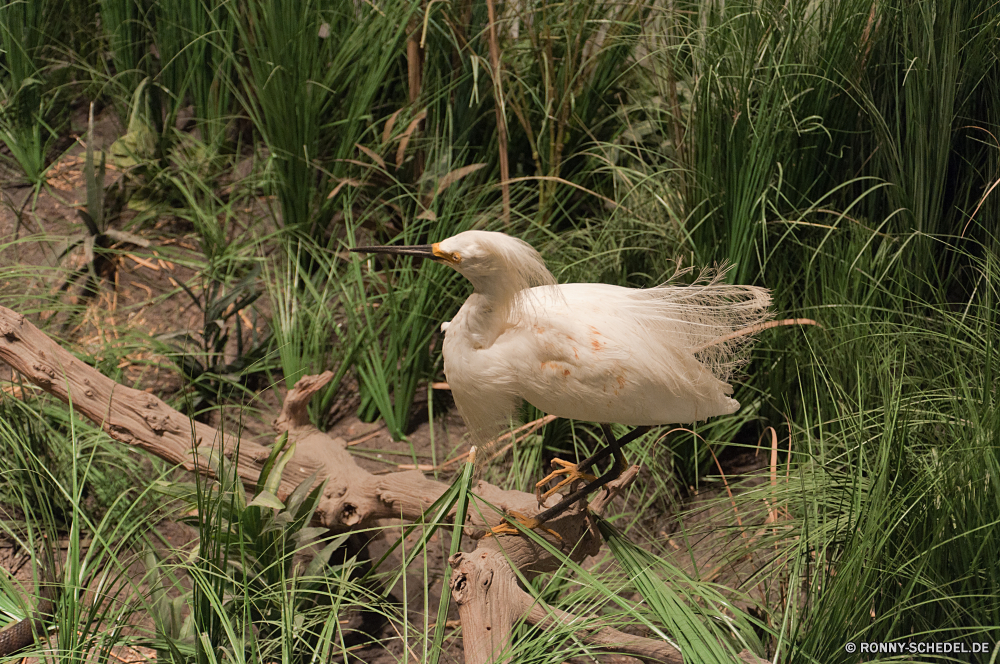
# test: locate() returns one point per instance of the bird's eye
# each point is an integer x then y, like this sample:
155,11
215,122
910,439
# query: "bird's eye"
446,256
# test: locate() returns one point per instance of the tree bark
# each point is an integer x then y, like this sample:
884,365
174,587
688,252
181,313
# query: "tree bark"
484,585
490,602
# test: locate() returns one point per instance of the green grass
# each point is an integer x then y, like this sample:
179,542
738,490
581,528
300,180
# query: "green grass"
71,486
842,154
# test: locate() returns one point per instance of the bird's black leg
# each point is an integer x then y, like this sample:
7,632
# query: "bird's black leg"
614,447
609,449
578,471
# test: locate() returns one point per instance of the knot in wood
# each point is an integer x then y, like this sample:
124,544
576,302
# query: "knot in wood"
487,580
120,433
459,584
7,330
349,514
44,375
473,577
159,423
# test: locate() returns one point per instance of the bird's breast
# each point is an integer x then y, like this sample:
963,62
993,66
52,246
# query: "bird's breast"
465,351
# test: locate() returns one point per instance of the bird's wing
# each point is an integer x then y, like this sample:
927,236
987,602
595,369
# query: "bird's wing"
611,354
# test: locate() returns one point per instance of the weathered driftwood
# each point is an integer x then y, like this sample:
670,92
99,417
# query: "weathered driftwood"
484,585
490,601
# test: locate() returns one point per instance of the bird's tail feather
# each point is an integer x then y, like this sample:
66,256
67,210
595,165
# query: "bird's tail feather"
703,317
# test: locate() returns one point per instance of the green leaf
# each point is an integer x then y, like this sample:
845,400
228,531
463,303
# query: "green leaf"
266,499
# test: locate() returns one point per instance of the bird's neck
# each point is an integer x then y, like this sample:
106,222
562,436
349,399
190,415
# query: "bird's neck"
488,286
495,292
483,318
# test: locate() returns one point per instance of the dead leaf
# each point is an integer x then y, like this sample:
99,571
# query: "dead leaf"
143,262
404,140
371,153
340,185
456,175
389,124
364,164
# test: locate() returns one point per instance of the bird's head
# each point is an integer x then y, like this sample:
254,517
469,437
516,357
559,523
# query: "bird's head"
497,264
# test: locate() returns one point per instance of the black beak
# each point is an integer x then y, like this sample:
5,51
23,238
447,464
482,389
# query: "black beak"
418,250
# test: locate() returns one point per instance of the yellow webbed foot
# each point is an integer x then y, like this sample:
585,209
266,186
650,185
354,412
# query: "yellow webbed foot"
506,528
572,476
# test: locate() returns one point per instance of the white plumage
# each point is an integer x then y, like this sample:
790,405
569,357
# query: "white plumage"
592,352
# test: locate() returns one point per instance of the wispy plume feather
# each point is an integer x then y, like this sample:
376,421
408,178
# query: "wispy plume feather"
702,317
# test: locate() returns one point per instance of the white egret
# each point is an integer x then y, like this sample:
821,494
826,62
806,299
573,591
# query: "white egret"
588,351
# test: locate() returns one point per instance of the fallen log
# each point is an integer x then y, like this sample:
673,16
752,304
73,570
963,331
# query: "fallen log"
484,585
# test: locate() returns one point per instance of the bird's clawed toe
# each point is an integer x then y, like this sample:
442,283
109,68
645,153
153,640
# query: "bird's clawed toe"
572,476
505,527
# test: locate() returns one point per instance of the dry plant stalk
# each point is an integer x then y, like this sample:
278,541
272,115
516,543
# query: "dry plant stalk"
498,103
